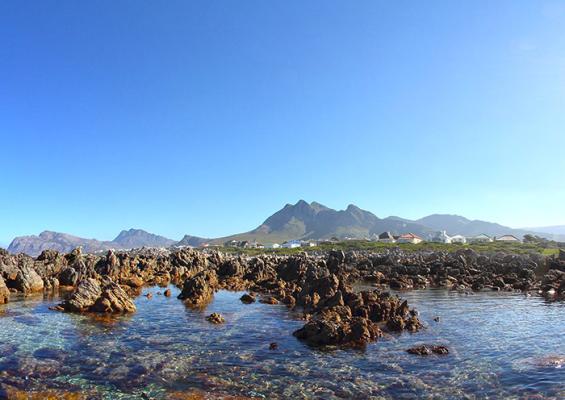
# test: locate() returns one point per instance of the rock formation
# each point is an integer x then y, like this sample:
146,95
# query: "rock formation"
319,285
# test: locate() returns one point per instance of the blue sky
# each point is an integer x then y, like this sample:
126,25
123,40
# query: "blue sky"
204,117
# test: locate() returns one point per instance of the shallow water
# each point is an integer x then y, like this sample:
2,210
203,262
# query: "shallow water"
499,344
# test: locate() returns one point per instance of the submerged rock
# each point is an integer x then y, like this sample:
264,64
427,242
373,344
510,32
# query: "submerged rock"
269,300
426,350
215,318
247,299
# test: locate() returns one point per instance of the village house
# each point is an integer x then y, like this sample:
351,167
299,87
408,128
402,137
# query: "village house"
441,237
508,239
458,239
409,238
386,237
291,244
482,238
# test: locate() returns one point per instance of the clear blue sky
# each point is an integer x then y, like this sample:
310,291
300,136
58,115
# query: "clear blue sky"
204,117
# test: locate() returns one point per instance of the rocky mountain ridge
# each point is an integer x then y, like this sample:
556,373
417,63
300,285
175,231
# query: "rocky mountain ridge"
306,221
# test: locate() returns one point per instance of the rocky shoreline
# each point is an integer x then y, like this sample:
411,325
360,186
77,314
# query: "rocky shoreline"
321,286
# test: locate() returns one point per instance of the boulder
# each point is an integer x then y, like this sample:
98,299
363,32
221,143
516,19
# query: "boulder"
113,300
90,296
247,299
84,297
68,277
28,281
198,290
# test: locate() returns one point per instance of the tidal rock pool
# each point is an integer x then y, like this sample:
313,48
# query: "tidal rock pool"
500,346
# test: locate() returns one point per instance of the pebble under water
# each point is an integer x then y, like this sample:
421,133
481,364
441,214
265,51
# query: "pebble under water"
501,346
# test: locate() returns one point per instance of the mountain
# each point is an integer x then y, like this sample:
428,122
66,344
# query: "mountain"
192,241
34,245
554,230
133,238
456,224
294,221
316,221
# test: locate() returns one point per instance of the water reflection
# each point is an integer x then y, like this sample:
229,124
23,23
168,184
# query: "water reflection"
501,345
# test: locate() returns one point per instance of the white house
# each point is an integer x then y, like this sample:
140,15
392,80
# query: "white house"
459,239
386,237
441,237
275,246
409,238
308,244
291,244
508,239
482,238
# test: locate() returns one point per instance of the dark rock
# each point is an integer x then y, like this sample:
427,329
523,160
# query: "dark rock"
68,277
247,299
167,293
426,350
273,346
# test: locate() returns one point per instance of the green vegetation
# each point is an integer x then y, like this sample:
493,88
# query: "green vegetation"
347,245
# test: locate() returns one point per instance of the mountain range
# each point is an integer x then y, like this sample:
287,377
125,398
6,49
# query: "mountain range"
62,242
294,221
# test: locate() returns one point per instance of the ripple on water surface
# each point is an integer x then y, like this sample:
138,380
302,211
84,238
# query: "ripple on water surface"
501,345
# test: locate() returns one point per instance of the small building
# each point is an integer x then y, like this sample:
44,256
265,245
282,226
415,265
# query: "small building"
508,239
409,238
482,238
441,237
275,246
308,244
291,244
386,237
458,239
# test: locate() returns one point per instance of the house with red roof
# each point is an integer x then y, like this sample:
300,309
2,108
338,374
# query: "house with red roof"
409,238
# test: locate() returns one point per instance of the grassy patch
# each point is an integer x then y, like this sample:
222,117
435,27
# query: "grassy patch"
347,245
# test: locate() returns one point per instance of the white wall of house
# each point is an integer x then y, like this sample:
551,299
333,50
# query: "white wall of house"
458,239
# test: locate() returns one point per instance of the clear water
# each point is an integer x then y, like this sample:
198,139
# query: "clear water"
500,347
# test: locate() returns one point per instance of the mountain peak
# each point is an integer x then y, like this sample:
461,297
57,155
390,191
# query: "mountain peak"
352,207
139,238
